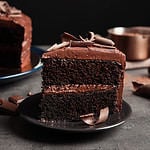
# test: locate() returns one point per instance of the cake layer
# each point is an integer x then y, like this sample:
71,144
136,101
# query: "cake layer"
90,52
70,102
58,71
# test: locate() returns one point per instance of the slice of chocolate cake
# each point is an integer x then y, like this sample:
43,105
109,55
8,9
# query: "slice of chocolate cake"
15,40
81,76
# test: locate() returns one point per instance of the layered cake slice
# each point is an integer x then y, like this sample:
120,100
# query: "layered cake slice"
15,40
81,76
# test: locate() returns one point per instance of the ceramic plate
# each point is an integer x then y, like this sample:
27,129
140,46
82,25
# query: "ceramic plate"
36,65
28,109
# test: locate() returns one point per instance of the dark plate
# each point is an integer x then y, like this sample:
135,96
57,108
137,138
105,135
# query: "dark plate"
28,109
36,65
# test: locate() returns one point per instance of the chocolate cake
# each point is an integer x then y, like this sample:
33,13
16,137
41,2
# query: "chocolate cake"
81,76
15,40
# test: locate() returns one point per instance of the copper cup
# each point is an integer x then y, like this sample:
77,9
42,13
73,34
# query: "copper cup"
134,42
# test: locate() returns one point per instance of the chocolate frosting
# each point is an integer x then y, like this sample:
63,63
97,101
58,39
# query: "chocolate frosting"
96,47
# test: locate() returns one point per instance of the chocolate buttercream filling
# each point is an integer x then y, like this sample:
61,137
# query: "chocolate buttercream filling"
76,88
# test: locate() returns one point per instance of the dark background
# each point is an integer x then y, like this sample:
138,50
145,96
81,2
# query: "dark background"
50,18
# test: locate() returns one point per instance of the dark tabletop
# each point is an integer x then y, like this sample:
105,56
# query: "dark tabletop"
134,134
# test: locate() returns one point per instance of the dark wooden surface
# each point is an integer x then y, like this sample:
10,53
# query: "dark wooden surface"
134,134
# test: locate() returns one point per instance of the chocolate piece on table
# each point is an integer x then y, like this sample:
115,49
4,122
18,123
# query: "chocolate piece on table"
10,106
15,99
4,104
142,90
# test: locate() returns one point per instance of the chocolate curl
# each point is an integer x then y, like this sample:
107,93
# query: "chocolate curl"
7,105
101,40
88,119
91,120
5,8
14,11
94,40
104,46
142,90
80,43
103,115
57,46
92,36
66,37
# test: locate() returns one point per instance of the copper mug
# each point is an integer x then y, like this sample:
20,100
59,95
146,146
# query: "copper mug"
134,42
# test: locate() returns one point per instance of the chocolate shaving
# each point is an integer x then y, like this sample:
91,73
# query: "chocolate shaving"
92,36
101,40
104,46
57,46
94,40
66,37
103,115
90,119
91,39
5,8
81,43
140,89
15,11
